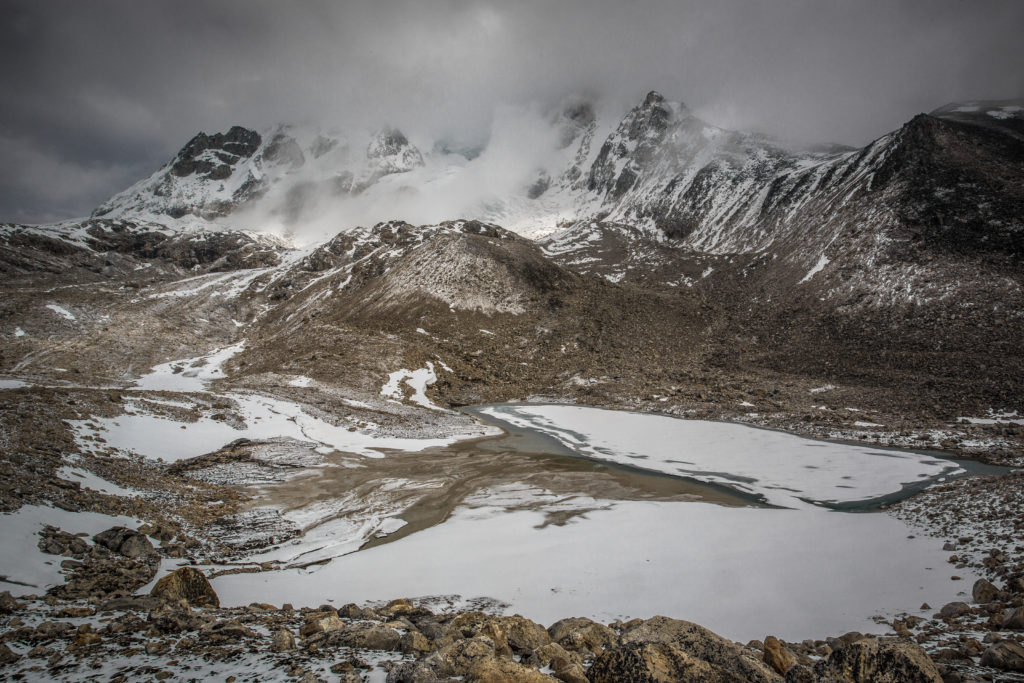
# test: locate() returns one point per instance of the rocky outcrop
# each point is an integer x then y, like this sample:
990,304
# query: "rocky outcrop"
776,656
656,663
213,155
415,645
581,634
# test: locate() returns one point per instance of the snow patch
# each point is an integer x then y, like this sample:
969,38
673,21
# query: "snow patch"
818,267
994,417
1007,112
91,481
189,374
264,418
61,311
417,380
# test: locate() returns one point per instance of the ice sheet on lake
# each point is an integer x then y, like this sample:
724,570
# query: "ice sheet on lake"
743,572
785,469
337,526
265,418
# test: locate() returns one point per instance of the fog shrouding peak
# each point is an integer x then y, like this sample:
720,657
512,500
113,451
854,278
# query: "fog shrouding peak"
100,94
310,183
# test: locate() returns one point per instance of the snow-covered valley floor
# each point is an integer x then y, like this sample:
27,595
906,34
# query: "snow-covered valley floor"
552,543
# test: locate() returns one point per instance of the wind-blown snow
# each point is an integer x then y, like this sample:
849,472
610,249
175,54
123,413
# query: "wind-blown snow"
785,469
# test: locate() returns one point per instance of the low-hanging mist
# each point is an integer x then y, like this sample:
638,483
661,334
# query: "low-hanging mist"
100,93
511,176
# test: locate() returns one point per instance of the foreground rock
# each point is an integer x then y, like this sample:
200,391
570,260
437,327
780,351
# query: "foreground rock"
186,584
776,656
874,660
125,541
656,662
165,635
724,657
1005,656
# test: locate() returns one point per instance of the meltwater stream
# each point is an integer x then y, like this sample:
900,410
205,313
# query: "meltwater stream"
526,537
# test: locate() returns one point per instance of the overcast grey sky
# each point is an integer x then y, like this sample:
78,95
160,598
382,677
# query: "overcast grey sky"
98,94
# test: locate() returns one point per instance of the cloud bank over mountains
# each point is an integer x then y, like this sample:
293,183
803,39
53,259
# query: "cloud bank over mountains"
100,94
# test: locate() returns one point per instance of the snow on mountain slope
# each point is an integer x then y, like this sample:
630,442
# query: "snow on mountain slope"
213,175
677,194
312,183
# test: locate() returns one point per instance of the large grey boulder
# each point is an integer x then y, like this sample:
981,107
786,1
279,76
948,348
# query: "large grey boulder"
1005,656
655,663
186,584
699,643
878,660
125,541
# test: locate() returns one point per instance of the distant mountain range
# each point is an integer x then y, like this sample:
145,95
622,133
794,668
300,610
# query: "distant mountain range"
671,258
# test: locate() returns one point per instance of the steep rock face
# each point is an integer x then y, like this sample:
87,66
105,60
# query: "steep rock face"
103,245
394,151
961,182
214,155
282,170
950,185
667,170
208,178
631,151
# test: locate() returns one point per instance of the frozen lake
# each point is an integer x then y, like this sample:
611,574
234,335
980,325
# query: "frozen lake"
780,468
795,570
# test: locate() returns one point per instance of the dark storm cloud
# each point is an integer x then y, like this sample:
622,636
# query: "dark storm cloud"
97,94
